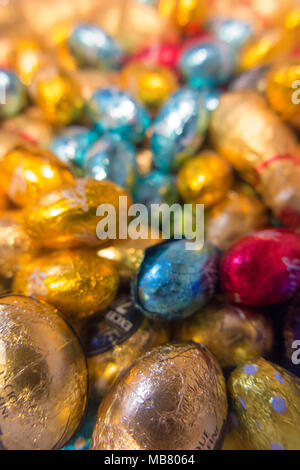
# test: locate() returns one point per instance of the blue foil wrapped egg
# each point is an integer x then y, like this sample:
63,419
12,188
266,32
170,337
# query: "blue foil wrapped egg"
179,129
173,282
93,47
155,188
13,95
211,98
113,158
115,111
208,63
232,31
72,144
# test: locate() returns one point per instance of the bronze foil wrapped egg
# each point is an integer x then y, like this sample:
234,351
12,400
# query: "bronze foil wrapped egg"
76,282
43,376
174,397
113,341
233,334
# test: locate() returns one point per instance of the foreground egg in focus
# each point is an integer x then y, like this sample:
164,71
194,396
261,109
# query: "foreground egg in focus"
113,341
262,268
77,282
43,376
173,397
233,334
67,217
28,171
174,282
266,401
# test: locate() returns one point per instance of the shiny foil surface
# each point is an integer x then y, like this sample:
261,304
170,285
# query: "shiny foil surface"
291,333
173,397
178,129
173,282
72,144
43,376
113,110
223,222
265,399
234,334
262,268
14,92
28,171
155,187
77,282
9,140
204,179
113,341
66,217
246,132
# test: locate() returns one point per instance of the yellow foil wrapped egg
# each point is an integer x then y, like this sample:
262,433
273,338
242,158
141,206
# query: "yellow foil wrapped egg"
57,94
187,15
76,282
233,334
43,376
173,397
67,217
151,85
113,341
204,179
223,222
283,91
28,171
246,132
265,401
27,58
9,140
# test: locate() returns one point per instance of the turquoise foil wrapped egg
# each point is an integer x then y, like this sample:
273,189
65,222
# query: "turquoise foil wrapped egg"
13,96
93,47
211,98
113,158
155,188
72,144
174,282
232,31
115,111
179,129
208,63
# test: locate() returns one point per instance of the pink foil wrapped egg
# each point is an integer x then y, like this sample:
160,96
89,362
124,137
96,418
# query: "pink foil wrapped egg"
158,54
262,268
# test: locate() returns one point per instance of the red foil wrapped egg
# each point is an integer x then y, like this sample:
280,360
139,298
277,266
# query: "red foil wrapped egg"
262,268
158,54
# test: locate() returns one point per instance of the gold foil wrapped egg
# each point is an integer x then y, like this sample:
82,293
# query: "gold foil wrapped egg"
9,140
151,85
43,376
67,217
15,244
204,179
173,397
27,171
246,132
27,58
233,334
283,91
57,94
266,402
186,15
223,222
113,341
76,282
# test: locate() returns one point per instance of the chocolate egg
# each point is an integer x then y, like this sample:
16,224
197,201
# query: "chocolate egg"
246,132
9,140
266,401
43,376
233,334
173,397
223,222
188,16
204,179
230,30
178,129
262,268
174,282
112,110
29,171
93,47
13,97
67,217
27,57
155,187
77,282
73,143
207,63
113,158
113,341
